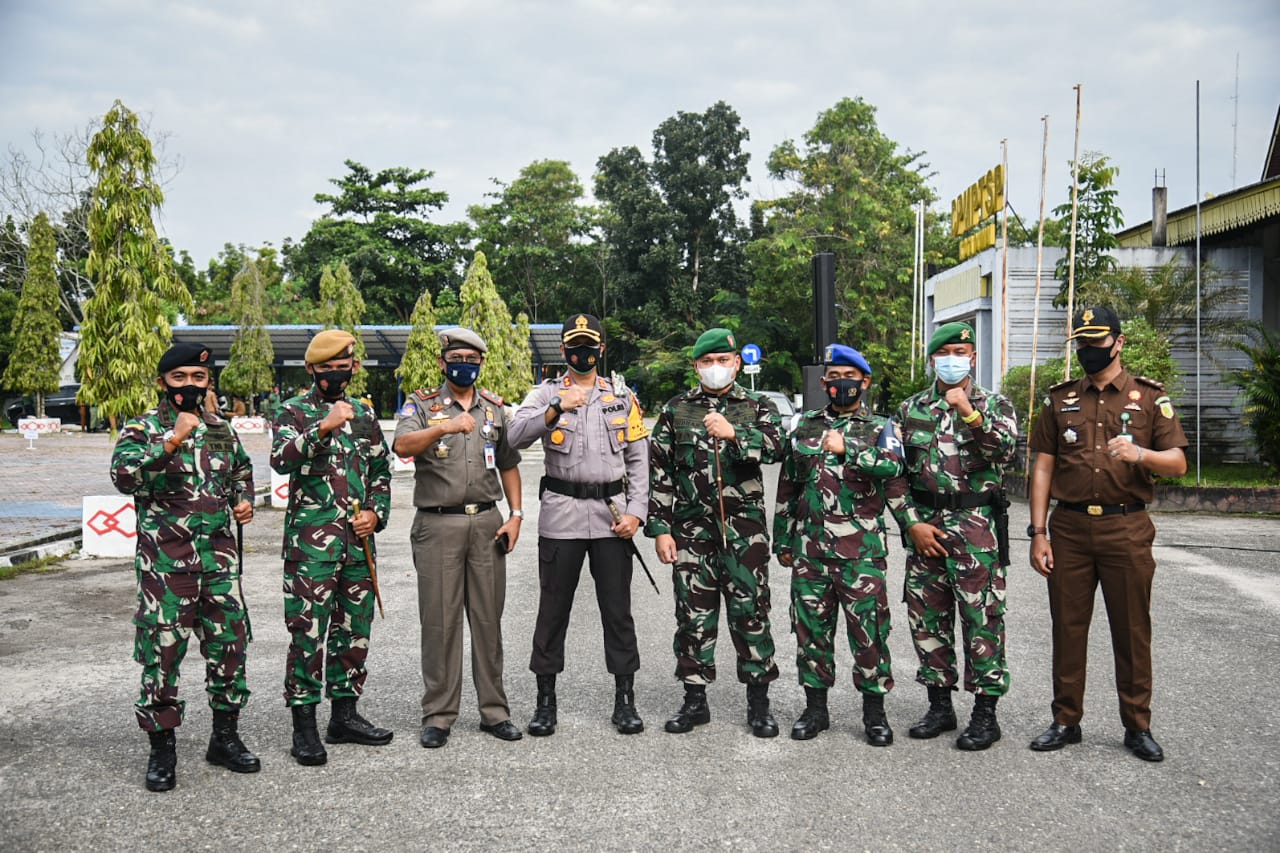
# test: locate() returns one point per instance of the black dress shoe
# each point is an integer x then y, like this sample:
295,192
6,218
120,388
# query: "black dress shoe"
1056,737
433,737
505,730
1143,745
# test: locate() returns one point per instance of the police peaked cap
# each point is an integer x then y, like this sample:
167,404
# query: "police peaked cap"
582,326
330,344
185,354
460,338
839,354
952,333
714,340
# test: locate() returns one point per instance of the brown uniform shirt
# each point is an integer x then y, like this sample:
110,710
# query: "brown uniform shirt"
1077,422
458,476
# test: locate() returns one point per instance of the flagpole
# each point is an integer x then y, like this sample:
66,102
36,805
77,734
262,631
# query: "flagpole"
1004,265
1198,430
1071,256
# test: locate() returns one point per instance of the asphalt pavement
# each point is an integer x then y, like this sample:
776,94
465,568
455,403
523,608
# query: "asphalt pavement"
72,757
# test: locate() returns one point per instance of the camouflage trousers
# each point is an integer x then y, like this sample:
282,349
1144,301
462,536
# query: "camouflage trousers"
702,572
820,589
328,610
974,584
171,607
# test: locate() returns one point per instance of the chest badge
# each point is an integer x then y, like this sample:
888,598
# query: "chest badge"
1069,435
442,450
1135,395
557,436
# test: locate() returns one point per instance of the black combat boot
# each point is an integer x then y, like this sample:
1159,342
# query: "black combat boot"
694,711
307,747
347,726
758,717
941,717
625,717
874,722
814,718
226,748
983,730
162,764
544,715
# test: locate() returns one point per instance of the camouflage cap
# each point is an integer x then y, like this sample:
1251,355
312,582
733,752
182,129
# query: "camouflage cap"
714,340
460,338
839,354
330,344
184,354
952,333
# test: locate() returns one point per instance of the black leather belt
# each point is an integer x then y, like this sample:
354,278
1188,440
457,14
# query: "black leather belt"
953,500
596,491
462,509
1103,509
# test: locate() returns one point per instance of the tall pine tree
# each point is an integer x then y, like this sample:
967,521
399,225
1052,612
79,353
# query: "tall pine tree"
484,312
342,307
33,365
418,368
127,320
248,369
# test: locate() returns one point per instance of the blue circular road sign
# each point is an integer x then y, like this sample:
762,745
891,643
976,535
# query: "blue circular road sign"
751,354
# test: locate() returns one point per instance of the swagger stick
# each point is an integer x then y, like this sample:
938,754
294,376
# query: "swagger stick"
368,559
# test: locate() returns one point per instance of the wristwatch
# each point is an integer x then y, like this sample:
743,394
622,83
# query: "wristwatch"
517,513
1032,530
557,404
168,439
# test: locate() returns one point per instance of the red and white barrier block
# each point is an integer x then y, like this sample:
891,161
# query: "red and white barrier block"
108,526
255,425
40,425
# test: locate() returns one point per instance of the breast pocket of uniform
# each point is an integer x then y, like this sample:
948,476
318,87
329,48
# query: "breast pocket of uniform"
916,442
561,439
687,449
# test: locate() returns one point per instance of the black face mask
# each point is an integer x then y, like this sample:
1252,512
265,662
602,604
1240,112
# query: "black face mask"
583,359
185,398
844,393
1095,359
331,383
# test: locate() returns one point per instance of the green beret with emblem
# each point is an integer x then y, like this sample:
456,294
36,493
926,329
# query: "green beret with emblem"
952,333
715,340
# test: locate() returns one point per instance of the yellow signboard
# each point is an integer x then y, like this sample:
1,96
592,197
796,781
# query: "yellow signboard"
983,199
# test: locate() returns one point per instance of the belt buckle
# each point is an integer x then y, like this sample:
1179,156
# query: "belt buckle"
1093,509
471,509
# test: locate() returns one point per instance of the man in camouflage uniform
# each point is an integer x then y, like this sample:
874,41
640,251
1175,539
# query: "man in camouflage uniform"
707,515
958,437
189,478
332,449
593,500
829,529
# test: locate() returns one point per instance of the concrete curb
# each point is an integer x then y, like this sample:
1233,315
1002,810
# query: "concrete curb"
26,554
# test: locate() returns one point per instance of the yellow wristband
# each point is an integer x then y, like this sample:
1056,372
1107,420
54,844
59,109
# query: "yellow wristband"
972,417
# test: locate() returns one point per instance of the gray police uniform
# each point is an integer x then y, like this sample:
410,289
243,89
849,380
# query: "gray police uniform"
595,455
459,568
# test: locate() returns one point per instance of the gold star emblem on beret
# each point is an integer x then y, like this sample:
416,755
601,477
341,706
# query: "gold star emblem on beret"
964,334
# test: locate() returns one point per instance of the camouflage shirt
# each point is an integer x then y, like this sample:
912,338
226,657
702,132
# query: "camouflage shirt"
946,456
326,475
831,507
183,499
683,490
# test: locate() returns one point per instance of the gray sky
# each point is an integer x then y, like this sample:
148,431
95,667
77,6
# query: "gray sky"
264,100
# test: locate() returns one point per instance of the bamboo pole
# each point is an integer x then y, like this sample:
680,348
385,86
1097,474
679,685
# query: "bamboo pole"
1035,317
1004,264
1071,253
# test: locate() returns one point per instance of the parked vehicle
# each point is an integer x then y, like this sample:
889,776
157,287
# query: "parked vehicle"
787,409
60,404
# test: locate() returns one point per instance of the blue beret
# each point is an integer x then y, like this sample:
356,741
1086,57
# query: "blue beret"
841,354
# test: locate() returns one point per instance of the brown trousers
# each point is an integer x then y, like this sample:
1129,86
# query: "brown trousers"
460,572
1115,551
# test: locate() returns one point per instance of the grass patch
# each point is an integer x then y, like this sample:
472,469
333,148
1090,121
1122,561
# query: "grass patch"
38,566
1232,475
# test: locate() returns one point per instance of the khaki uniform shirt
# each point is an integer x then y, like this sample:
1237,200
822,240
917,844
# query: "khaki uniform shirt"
1077,422
452,471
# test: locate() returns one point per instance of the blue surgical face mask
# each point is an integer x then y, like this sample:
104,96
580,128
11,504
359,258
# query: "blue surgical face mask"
462,374
952,369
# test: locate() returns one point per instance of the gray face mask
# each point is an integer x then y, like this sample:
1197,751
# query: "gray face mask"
716,377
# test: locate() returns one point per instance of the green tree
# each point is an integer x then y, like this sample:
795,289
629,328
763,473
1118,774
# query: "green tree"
1260,385
248,371
419,367
13,271
379,225
484,312
1098,217
342,307
1165,298
33,366
534,237
284,302
126,322
854,194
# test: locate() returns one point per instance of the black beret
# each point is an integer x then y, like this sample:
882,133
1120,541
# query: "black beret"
185,354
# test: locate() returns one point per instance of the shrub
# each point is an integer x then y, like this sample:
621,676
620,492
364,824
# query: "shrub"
1260,384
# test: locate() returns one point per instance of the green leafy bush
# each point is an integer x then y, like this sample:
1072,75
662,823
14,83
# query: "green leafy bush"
1260,384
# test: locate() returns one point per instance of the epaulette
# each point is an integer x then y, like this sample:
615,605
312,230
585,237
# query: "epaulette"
1159,386
1063,384
491,397
423,394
